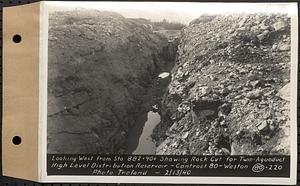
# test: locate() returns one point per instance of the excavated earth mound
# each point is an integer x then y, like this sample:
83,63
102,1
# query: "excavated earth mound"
100,64
229,92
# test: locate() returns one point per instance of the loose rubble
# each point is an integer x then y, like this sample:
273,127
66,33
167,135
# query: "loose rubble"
229,92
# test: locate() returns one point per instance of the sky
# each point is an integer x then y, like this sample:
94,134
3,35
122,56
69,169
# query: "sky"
183,12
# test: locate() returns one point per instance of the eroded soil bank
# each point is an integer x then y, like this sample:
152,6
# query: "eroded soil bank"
100,67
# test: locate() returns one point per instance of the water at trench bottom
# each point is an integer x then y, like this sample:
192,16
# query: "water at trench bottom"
140,140
146,145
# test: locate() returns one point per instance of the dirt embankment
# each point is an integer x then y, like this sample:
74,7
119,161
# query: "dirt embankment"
100,65
229,88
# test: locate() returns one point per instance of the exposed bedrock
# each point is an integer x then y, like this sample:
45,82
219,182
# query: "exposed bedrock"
100,65
229,92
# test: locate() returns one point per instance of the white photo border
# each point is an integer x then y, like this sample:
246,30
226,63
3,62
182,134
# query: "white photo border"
43,177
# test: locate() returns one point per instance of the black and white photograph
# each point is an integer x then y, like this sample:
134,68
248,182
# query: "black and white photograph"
212,84
167,78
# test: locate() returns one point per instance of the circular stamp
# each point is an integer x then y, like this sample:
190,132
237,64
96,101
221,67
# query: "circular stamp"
258,167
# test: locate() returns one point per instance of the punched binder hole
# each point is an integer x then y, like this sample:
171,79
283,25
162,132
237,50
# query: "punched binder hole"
17,38
16,140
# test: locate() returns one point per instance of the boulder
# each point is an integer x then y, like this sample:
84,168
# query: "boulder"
284,92
254,94
280,26
284,47
262,126
263,35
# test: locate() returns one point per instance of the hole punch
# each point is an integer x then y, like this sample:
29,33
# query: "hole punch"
17,140
17,38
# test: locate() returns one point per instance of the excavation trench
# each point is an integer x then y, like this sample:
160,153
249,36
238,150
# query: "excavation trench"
152,122
139,139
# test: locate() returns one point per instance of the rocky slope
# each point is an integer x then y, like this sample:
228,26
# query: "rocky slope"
229,89
100,65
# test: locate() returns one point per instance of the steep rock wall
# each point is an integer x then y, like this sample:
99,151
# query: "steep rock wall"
100,64
228,93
